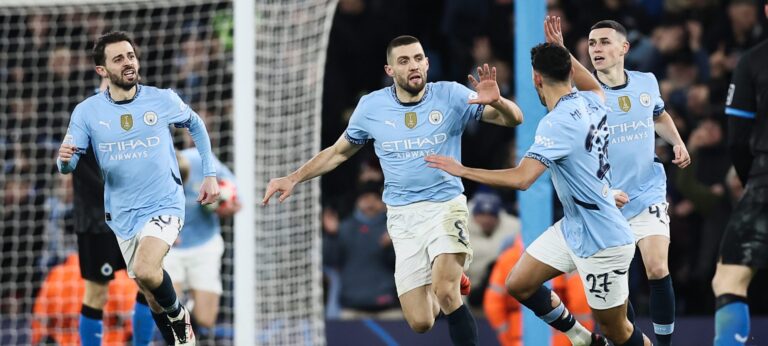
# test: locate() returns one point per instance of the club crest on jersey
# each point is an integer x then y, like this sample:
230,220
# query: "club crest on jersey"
645,99
435,117
126,121
624,103
411,119
150,118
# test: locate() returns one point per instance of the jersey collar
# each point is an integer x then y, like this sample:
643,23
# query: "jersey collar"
393,91
565,97
618,87
135,96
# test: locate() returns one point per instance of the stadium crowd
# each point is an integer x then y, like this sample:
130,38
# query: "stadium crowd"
692,46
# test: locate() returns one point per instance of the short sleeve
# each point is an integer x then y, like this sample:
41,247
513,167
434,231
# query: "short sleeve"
553,141
460,96
356,132
658,102
741,101
179,113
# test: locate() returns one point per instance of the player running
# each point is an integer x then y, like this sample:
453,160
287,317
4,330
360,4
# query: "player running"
593,237
427,212
127,126
635,110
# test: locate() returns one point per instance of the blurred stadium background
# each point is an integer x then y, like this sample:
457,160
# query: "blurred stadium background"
312,61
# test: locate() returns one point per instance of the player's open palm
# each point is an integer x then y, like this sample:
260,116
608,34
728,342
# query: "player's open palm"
209,191
283,185
445,163
486,87
553,31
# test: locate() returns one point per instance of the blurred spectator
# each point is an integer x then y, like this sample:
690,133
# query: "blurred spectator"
363,253
57,307
504,313
489,228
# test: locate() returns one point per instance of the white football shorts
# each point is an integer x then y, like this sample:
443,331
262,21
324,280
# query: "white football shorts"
603,274
420,232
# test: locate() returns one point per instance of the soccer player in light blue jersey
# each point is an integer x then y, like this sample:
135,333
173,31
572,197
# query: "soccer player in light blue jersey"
594,238
127,127
635,110
194,262
427,212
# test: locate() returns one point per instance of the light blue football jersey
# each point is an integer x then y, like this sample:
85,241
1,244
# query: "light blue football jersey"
200,224
133,146
632,108
403,133
572,140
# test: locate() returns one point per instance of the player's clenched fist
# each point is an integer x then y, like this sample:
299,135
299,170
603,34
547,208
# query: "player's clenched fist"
283,185
66,151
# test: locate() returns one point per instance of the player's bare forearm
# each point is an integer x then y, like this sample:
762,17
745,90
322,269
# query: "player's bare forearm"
666,129
325,161
503,112
507,178
583,79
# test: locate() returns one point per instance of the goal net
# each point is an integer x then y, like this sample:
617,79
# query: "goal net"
45,70
290,49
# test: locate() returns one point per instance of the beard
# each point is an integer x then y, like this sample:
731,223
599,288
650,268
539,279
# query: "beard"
118,80
541,97
413,89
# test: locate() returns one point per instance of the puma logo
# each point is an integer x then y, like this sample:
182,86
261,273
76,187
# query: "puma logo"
390,123
105,124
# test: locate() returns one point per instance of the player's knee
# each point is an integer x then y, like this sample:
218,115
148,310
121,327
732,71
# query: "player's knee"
518,288
447,295
656,271
146,275
421,326
95,294
205,320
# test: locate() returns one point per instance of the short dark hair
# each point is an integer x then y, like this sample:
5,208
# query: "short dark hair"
551,60
403,40
610,24
99,57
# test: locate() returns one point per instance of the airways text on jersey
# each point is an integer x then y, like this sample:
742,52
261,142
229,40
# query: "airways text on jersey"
415,147
129,149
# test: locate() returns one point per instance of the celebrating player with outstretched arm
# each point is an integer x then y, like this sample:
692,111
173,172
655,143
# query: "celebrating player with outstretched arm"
635,109
427,212
593,237
127,126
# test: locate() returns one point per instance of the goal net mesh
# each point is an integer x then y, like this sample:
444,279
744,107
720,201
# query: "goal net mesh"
45,70
291,40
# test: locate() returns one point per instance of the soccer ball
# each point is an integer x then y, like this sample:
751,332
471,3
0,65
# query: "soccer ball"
228,194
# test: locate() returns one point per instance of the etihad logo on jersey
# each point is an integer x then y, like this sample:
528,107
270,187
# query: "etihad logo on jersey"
130,149
631,131
414,147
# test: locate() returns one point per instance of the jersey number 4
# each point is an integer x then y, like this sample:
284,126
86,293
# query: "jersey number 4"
597,139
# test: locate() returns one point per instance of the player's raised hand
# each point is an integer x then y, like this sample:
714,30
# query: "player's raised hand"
682,158
283,185
66,151
487,89
553,31
620,197
209,191
445,163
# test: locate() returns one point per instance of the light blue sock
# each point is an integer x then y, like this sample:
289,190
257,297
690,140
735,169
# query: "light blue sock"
731,321
91,326
143,323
